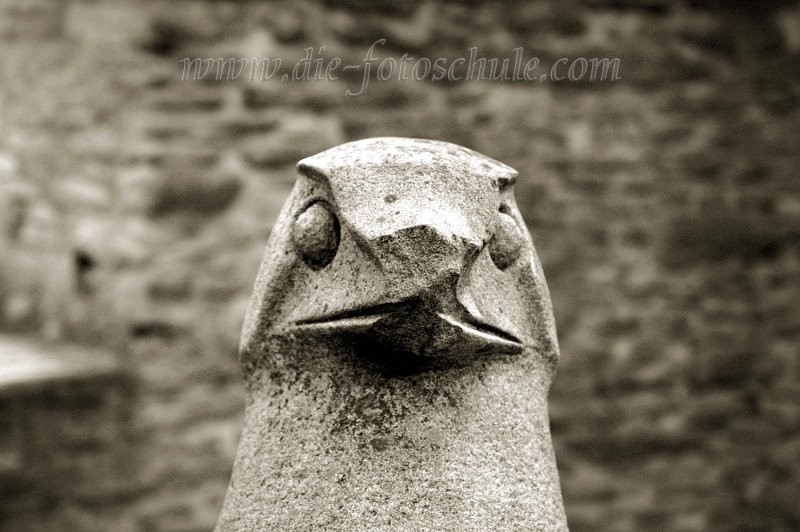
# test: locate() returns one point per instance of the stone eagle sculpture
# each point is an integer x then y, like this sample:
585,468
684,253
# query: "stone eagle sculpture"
397,352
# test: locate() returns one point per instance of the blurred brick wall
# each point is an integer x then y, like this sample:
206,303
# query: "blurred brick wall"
134,208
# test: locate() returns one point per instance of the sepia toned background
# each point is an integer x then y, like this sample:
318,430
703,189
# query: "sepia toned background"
134,208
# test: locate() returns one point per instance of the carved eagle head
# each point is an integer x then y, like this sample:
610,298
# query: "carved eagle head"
410,246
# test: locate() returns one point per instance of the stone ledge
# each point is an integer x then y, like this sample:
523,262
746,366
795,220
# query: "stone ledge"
63,416
28,366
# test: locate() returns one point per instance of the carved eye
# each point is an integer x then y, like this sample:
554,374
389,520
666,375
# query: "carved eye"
316,235
507,241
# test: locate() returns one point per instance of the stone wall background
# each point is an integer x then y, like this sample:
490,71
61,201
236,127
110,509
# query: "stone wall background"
134,208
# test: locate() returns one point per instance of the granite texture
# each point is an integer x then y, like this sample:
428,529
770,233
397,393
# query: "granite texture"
398,351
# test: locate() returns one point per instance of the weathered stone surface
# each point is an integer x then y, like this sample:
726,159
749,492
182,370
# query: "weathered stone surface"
398,350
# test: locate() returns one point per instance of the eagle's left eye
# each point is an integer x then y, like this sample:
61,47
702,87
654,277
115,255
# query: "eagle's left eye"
506,243
316,235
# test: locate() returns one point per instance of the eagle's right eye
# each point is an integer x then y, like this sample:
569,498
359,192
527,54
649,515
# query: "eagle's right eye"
316,235
505,246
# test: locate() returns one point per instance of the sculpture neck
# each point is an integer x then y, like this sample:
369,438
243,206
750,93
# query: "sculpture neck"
331,442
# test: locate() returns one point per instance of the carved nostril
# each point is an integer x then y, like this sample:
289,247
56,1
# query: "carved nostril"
505,246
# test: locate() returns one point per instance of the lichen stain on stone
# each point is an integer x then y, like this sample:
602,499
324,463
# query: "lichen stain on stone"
379,444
